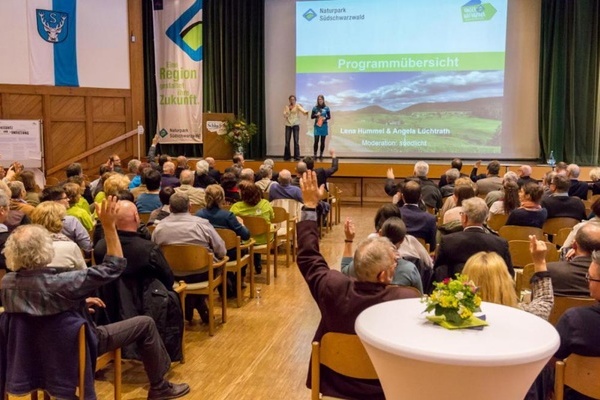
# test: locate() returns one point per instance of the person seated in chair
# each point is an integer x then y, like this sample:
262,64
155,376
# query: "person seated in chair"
341,298
37,290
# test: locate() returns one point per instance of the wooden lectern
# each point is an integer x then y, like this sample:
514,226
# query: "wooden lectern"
215,146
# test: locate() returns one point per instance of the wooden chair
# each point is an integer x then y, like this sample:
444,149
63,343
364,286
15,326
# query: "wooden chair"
187,259
520,256
514,232
524,277
334,205
101,362
342,353
553,225
52,181
563,303
579,373
425,244
194,208
233,241
497,221
259,226
144,217
561,236
293,208
151,228
284,232
181,289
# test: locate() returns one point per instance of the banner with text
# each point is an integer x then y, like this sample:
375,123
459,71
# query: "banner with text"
178,51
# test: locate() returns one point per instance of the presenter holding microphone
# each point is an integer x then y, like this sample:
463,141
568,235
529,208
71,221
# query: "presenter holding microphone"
321,114
292,124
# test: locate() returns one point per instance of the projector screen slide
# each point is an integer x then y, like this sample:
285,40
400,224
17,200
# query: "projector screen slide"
405,77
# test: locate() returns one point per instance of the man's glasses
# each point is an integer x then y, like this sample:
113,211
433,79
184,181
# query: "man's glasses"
590,279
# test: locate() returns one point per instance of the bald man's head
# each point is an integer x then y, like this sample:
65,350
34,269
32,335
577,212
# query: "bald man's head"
128,218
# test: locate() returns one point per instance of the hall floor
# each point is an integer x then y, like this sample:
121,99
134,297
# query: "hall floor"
263,350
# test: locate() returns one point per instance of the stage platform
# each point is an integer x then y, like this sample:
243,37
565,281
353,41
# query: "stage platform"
362,180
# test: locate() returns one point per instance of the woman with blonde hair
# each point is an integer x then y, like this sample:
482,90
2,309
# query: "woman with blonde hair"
489,272
67,254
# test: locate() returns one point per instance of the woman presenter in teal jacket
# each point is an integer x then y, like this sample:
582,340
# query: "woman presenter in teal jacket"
321,114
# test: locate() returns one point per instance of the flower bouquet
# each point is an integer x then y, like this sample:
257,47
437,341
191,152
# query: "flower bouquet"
238,132
454,301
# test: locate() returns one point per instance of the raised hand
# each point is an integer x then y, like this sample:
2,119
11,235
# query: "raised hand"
538,251
310,192
107,212
349,229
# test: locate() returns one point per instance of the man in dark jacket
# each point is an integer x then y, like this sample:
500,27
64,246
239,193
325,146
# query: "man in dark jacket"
560,204
340,298
323,173
430,193
147,271
577,188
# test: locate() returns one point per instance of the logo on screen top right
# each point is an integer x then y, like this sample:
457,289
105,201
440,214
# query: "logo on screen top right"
475,11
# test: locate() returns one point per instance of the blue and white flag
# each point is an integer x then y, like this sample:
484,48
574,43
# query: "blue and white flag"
52,42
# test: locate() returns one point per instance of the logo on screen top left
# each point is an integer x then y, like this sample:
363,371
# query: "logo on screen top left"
52,26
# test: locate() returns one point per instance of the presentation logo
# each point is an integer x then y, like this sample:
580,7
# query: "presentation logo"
187,34
52,25
163,132
310,15
475,11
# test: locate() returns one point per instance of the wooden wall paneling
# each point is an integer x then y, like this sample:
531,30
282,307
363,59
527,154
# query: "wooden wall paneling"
350,187
136,73
23,106
68,140
48,133
102,132
67,108
373,191
88,165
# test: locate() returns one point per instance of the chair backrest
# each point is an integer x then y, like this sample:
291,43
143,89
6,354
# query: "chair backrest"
563,303
293,207
497,221
560,238
579,373
514,232
194,208
229,237
342,353
186,258
144,217
520,256
525,278
256,225
280,215
424,244
553,225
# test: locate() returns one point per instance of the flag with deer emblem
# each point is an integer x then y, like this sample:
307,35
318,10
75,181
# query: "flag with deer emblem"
52,42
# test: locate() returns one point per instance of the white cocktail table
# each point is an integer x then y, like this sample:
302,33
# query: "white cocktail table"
417,360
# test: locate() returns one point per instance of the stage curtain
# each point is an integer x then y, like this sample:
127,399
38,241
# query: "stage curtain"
234,72
568,116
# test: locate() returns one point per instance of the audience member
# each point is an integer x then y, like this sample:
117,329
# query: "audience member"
67,254
202,179
577,188
456,163
247,174
141,188
491,181
182,165
431,195
17,199
489,273
496,195
212,171
72,228
161,213
264,181
594,220
509,200
284,189
300,170
196,195
456,248
32,196
405,273
419,223
75,209
559,204
451,176
530,212
524,173
133,168
96,186
568,277
595,178
75,169
144,285
168,177
16,217
340,298
269,162
322,173
252,204
180,227
4,205
30,249
561,168
461,193
238,160
115,162
149,201
450,202
229,184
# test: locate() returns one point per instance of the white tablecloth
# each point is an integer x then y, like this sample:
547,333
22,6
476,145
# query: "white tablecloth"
416,359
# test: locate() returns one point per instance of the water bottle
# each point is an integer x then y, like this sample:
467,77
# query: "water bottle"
551,160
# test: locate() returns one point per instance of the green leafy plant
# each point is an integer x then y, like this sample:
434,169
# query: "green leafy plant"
455,299
238,132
